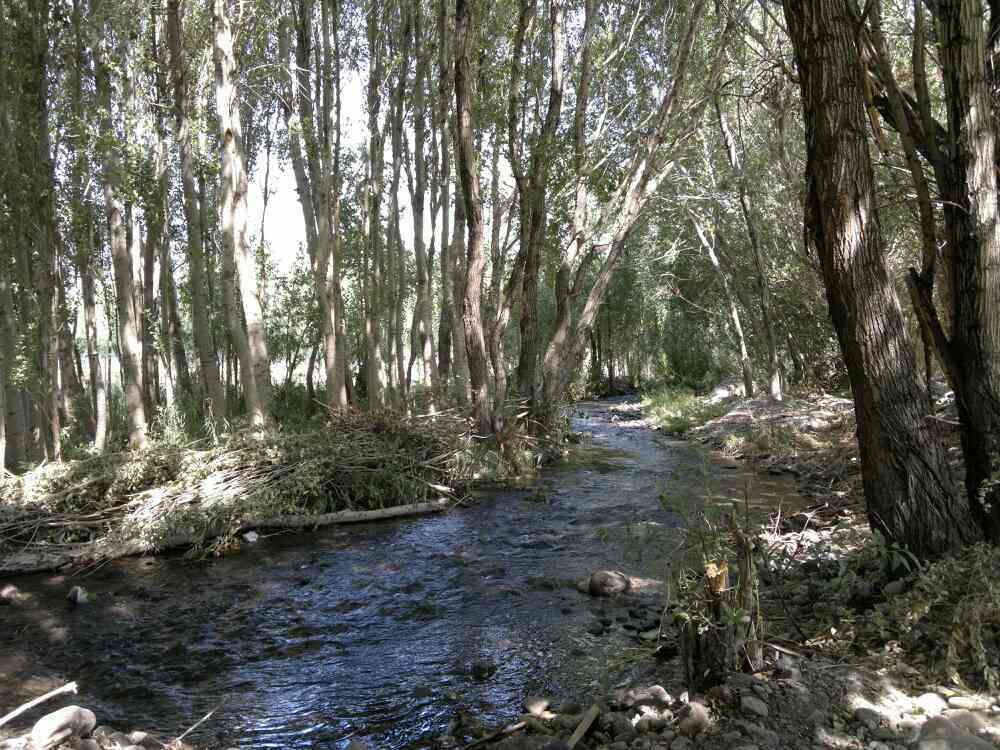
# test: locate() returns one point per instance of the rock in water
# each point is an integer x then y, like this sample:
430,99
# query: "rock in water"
608,583
66,723
78,595
536,705
483,670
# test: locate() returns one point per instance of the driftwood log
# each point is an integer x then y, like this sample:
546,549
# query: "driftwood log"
41,557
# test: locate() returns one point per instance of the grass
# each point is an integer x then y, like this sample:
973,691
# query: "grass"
677,409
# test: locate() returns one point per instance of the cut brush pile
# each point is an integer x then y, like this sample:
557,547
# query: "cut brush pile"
357,467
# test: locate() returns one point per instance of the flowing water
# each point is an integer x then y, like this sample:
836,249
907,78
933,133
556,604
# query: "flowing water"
380,632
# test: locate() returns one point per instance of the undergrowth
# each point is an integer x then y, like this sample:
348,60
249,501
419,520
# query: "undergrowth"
353,461
677,409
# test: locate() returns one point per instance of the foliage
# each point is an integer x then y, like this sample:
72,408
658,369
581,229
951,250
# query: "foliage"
950,618
353,462
678,409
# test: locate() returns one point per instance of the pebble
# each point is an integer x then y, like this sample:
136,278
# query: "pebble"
753,705
78,595
536,705
71,721
681,743
831,738
654,695
608,583
696,720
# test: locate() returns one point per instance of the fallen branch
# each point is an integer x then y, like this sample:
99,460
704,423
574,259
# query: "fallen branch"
502,732
69,687
50,557
581,729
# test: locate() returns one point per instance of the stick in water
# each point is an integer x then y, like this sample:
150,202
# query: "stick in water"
198,723
67,688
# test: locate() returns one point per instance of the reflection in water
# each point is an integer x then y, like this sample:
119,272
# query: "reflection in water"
380,632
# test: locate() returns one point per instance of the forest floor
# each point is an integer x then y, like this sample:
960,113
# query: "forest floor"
852,659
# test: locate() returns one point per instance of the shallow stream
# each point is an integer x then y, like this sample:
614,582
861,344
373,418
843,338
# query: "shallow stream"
379,632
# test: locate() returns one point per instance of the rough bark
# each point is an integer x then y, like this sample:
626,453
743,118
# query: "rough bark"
472,319
973,251
238,264
909,489
424,342
98,389
46,274
375,263
122,260
213,393
441,118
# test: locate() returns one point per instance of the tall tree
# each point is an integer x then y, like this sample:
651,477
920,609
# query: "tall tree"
774,367
238,264
909,489
532,179
213,392
122,251
472,318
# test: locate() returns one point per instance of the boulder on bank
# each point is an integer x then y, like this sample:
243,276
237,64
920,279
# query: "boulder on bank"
71,722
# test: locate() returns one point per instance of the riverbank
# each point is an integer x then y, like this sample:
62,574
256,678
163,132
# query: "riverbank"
487,597
356,467
851,659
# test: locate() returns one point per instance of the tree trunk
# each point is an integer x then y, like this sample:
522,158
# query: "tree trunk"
424,339
213,393
123,264
472,319
45,237
972,222
532,186
375,276
6,358
746,366
909,489
98,390
775,373
238,265
441,119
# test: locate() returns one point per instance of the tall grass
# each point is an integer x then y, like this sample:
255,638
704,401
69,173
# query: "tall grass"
677,409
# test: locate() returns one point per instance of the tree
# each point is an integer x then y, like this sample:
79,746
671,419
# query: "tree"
472,317
909,488
122,253
238,267
215,398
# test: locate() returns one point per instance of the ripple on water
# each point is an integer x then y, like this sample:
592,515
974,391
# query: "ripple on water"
370,631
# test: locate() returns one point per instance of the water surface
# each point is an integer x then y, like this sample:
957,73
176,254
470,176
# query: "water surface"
381,632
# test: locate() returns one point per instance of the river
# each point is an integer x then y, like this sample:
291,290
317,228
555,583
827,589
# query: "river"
381,632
